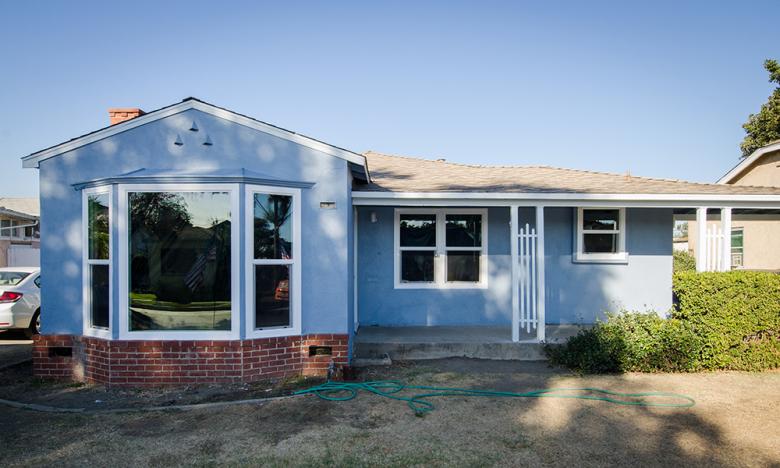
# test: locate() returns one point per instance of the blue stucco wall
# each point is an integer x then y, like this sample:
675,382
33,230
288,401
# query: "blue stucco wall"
576,292
582,292
380,304
325,249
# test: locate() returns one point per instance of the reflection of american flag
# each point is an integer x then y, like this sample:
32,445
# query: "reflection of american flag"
194,278
285,253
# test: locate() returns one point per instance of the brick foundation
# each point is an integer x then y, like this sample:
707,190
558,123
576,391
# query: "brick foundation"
153,363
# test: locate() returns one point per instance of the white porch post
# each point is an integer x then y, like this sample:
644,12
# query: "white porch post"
540,271
725,225
701,238
513,237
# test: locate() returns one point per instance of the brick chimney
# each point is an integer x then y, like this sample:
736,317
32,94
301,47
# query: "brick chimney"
120,114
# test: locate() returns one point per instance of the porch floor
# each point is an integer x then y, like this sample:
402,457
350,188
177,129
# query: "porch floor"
484,342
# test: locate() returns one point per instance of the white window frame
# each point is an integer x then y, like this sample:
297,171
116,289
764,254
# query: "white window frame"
235,268
296,264
440,250
88,329
620,257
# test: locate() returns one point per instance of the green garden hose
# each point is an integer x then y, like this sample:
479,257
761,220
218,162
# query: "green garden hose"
345,391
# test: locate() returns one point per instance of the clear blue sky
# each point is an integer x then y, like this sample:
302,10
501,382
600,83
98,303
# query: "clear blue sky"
660,88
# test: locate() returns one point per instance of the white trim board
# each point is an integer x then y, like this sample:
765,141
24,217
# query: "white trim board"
483,199
747,162
33,160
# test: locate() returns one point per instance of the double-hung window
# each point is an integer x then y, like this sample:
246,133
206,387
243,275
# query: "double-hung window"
97,262
273,276
601,235
440,248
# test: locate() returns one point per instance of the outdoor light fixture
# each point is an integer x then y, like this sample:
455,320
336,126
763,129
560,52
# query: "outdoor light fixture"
208,141
194,127
373,217
178,141
328,205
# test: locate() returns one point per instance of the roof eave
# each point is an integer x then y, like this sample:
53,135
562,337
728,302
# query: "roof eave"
33,160
747,162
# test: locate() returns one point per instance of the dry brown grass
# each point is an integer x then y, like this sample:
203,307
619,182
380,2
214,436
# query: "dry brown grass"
736,422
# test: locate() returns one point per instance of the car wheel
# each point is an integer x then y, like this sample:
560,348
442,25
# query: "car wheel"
35,325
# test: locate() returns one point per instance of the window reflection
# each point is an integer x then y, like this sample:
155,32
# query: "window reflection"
180,276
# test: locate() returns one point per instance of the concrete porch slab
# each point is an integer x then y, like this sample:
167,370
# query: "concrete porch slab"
481,342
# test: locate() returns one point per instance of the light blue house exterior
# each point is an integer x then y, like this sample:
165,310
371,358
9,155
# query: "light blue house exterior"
193,224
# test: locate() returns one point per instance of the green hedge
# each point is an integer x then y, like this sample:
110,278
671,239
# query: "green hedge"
683,261
723,321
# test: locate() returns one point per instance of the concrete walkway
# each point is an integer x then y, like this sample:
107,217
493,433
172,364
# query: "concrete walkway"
14,348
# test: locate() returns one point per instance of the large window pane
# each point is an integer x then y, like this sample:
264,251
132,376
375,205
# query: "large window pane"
272,296
180,246
273,226
463,266
417,266
97,226
418,230
98,295
464,231
600,243
600,220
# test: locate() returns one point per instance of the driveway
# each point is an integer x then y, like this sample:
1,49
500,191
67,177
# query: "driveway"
14,348
734,423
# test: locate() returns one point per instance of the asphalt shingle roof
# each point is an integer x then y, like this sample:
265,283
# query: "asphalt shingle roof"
28,206
405,174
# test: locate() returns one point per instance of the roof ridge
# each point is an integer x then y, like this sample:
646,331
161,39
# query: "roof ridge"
543,166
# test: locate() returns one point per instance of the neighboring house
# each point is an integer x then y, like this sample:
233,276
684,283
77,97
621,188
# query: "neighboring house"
19,232
755,235
195,244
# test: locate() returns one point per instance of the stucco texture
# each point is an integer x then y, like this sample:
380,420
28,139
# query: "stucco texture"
576,292
325,291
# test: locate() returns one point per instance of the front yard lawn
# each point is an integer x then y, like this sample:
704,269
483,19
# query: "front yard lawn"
735,423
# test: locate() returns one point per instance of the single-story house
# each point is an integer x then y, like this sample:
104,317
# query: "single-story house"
196,244
19,232
755,236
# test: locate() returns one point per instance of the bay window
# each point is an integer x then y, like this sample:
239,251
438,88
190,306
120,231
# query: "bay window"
440,248
97,262
601,235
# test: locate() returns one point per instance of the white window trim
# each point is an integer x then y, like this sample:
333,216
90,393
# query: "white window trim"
620,257
235,268
440,251
250,262
86,262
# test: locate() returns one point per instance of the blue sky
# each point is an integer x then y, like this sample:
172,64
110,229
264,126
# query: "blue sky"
657,88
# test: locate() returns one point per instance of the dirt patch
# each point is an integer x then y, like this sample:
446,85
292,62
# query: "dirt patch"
17,383
734,423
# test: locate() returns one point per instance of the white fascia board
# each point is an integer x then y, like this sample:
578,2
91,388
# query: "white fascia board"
561,199
33,160
747,162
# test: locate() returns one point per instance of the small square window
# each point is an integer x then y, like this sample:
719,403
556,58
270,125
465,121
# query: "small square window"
600,235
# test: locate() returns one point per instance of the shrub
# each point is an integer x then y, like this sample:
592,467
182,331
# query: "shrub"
642,342
683,261
724,321
736,313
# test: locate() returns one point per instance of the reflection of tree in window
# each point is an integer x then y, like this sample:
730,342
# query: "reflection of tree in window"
272,229
180,261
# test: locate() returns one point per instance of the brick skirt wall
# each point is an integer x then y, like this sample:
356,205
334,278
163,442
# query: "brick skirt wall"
153,363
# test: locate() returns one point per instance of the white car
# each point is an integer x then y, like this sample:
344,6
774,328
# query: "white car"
20,299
